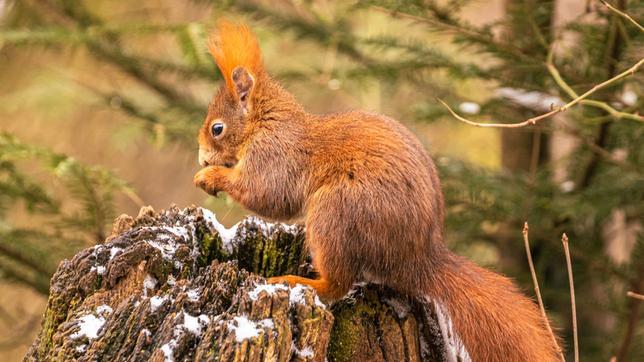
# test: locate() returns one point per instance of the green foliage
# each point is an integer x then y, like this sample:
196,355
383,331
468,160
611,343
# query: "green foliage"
425,49
27,253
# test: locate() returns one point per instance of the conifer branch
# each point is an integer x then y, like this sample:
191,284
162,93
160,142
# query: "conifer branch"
19,257
38,283
469,33
104,49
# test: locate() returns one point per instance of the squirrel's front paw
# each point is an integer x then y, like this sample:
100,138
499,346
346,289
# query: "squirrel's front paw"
207,180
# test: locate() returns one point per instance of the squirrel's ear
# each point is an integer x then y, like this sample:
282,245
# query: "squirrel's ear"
243,82
236,52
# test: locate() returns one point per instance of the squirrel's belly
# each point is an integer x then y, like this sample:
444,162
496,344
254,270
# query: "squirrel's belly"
281,205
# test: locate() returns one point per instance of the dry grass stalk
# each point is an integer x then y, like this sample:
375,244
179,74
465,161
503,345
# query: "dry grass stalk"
536,289
564,240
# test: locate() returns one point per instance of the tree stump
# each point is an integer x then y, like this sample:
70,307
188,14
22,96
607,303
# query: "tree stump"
177,286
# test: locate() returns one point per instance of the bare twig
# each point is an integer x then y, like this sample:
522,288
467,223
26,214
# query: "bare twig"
622,14
536,289
635,295
554,73
564,241
534,120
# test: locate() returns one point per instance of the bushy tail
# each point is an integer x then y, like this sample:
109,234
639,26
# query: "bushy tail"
488,313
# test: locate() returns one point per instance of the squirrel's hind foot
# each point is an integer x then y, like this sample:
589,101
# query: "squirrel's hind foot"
323,287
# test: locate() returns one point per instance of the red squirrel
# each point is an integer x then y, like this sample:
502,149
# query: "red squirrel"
370,197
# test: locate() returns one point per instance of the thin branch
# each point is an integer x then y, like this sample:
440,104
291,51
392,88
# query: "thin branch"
536,289
528,122
565,107
564,240
635,295
554,72
622,14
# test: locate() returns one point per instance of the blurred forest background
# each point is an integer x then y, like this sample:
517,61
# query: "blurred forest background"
100,102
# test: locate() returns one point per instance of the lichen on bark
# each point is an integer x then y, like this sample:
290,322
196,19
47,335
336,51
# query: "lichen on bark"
177,286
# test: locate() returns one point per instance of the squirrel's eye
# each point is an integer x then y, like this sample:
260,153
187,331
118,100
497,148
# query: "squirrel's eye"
217,128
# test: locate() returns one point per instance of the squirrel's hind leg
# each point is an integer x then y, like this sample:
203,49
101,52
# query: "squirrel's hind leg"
325,239
328,286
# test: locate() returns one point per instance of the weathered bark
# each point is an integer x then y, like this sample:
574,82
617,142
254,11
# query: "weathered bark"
165,286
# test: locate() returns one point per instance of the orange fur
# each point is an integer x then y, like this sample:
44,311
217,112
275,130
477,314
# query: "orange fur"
371,199
234,45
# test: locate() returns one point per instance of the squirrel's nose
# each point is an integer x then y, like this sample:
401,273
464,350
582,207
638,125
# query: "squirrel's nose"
203,160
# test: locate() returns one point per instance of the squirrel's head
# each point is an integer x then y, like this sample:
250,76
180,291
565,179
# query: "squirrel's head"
226,127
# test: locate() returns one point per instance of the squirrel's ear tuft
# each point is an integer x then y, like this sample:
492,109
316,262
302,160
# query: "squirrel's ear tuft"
234,45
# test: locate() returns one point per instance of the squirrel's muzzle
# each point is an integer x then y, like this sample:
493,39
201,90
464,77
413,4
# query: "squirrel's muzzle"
205,157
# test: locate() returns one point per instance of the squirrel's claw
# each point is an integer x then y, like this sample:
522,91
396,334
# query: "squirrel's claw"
202,181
